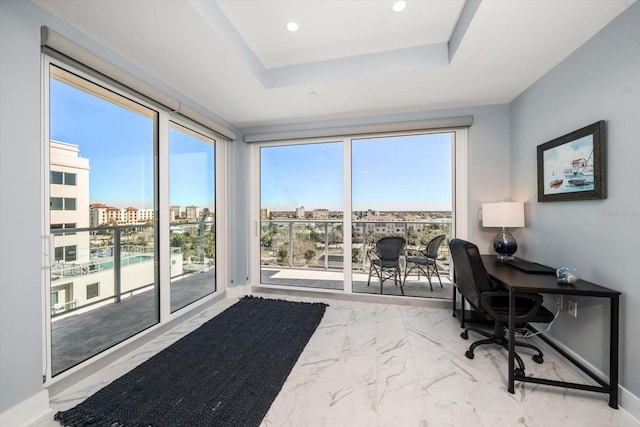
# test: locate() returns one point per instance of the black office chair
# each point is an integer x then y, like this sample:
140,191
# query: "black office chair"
384,259
424,260
476,286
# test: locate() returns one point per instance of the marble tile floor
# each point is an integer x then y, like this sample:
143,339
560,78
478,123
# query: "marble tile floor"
372,364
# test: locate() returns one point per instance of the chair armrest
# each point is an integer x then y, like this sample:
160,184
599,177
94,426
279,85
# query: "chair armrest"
486,299
372,253
414,253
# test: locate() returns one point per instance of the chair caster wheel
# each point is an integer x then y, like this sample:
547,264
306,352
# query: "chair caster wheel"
469,354
538,358
464,335
519,372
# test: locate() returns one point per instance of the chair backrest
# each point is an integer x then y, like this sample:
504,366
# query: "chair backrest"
470,275
390,248
433,245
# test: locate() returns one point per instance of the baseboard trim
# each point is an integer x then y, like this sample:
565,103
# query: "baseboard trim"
27,411
627,401
630,403
355,297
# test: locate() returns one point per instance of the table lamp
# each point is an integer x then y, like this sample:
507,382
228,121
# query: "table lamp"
503,214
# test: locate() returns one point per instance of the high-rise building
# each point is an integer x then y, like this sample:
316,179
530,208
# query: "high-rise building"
192,212
175,212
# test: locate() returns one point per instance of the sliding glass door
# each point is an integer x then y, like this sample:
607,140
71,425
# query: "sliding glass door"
130,214
192,215
392,185
402,186
102,217
301,215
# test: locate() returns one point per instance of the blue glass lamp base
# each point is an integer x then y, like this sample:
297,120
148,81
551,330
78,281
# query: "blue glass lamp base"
505,245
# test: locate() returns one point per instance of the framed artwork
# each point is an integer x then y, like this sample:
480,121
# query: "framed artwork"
574,166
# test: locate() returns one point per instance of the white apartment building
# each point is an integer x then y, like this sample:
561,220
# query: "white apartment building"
131,215
174,212
320,214
192,212
69,201
101,214
145,215
98,214
69,208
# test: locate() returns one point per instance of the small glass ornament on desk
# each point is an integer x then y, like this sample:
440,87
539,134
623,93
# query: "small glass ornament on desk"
567,274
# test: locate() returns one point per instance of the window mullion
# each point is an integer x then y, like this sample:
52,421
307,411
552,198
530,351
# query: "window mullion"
346,217
163,219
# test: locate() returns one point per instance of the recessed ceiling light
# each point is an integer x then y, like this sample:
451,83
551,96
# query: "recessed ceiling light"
399,6
292,27
312,94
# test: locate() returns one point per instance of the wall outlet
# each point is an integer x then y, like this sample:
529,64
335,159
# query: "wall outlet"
559,301
573,308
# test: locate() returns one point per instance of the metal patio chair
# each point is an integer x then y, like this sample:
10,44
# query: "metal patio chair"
384,259
424,260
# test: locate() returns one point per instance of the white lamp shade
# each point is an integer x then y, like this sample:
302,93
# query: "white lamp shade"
503,214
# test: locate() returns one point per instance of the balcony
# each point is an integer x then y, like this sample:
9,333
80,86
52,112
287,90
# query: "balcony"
106,290
310,254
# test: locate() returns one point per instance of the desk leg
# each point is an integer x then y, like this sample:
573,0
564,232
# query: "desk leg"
613,351
512,326
454,296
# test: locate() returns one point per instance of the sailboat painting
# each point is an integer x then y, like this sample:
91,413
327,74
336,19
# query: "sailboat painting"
575,160
572,166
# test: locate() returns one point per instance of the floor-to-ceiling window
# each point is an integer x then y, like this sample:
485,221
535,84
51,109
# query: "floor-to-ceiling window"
102,217
402,186
130,219
392,185
192,215
301,215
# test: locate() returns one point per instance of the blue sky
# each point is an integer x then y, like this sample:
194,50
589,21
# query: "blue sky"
410,173
119,145
400,173
191,170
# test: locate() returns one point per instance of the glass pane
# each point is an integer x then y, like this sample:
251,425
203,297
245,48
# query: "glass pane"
193,227
69,179
70,253
301,242
69,204
104,281
56,203
402,186
92,290
56,177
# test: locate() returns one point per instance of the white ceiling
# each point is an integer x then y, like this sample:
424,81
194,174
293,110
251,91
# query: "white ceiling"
236,59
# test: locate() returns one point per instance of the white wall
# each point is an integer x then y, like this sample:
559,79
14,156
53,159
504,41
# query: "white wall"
600,81
22,322
21,309
488,159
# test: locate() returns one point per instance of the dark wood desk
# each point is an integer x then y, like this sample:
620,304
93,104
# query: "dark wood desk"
517,281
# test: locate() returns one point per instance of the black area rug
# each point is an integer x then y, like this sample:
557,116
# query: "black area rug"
225,373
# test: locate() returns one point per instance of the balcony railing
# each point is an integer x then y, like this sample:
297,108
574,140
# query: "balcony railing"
104,292
311,243
318,245
121,261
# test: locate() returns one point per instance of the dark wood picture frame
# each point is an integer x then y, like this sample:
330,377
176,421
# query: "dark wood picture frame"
574,166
